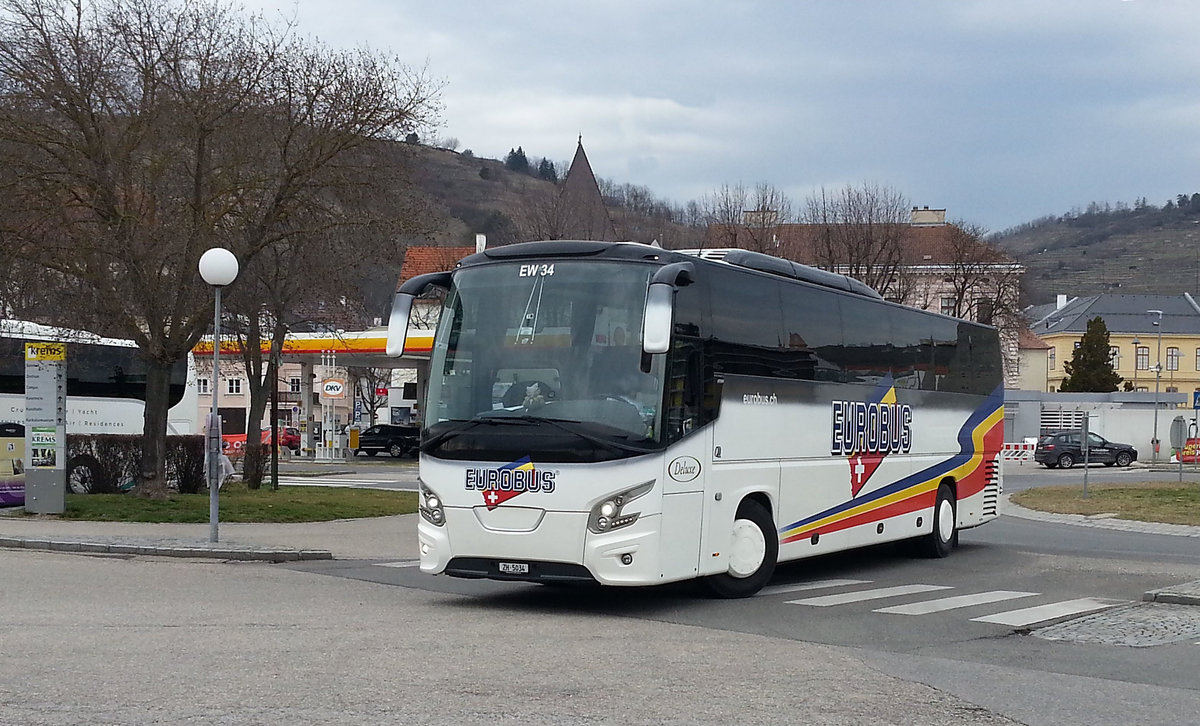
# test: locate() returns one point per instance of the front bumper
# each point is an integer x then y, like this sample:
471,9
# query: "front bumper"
561,548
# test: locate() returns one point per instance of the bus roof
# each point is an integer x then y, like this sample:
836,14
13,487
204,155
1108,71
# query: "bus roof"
36,331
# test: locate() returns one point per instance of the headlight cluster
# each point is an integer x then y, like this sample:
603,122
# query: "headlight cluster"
609,514
430,505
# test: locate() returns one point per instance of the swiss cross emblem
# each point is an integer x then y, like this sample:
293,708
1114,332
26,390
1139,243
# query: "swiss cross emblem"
862,466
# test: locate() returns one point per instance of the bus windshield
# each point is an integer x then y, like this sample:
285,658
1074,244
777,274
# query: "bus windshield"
556,345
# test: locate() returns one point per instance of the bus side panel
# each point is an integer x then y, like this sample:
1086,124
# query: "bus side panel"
953,438
679,540
813,486
728,483
686,468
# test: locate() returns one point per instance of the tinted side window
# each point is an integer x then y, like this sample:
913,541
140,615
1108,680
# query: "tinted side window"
867,332
912,348
747,325
812,331
745,310
943,352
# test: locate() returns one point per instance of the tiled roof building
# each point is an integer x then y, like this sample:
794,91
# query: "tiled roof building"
1140,345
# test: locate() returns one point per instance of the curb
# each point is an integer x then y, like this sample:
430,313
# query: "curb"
164,549
1098,521
1186,594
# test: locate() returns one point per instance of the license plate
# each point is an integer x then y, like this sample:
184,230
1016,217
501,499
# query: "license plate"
514,568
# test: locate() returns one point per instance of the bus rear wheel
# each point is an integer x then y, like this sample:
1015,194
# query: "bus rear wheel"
940,542
83,474
753,551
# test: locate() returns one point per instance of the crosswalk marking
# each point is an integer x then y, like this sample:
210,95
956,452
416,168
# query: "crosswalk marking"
951,603
1039,613
861,595
814,585
402,563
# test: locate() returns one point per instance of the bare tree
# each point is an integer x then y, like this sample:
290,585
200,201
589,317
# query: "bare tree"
722,212
541,214
762,222
859,231
982,280
985,286
368,382
137,134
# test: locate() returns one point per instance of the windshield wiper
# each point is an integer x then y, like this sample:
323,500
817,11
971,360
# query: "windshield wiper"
468,424
573,427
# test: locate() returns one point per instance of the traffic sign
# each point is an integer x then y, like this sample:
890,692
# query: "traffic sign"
1195,399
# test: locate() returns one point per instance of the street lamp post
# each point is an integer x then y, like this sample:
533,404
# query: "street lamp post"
218,267
1157,378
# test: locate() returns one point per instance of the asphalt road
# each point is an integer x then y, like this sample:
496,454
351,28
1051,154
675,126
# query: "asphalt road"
139,640
1012,669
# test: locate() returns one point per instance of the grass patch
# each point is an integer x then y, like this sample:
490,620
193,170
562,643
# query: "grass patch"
1145,502
238,504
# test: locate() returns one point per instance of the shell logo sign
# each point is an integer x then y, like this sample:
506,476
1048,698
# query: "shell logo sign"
333,388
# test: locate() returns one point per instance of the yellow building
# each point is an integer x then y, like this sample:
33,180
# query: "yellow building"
1153,339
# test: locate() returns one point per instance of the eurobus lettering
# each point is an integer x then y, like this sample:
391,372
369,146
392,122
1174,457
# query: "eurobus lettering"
627,415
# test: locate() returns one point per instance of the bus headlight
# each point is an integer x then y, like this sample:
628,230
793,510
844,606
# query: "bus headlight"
609,514
430,505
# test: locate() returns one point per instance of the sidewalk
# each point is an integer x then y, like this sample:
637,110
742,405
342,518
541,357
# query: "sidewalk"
375,538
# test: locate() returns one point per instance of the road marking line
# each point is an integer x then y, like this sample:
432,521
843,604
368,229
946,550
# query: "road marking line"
951,603
861,595
1029,616
814,585
403,563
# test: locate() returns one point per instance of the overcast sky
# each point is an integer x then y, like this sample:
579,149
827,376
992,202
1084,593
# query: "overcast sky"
999,111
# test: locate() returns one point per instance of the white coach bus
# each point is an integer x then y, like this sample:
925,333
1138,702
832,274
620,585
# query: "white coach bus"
106,381
623,414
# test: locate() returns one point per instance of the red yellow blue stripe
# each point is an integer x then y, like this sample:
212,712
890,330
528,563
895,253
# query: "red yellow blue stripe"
980,436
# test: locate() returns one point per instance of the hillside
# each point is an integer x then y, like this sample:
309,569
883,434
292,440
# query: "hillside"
1144,250
1140,249
472,195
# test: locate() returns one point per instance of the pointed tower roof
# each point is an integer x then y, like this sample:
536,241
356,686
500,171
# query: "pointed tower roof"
583,205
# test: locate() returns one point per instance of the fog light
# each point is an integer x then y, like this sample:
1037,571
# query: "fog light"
626,559
424,549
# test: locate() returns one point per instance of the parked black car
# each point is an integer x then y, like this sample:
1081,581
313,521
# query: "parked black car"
1063,448
395,440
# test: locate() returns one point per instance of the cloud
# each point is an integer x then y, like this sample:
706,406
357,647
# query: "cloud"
999,111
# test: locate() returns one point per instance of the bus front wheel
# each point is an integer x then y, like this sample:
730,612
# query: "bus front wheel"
753,551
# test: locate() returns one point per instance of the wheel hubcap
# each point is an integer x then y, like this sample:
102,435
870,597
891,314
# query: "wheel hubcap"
945,520
749,549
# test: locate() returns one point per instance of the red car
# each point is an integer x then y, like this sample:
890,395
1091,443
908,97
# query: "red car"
289,436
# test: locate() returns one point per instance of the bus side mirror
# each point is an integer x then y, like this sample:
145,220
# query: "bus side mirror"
656,326
660,304
397,329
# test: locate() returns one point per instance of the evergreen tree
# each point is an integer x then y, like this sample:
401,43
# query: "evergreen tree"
1090,368
546,171
516,161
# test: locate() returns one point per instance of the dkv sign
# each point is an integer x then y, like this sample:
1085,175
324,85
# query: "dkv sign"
333,388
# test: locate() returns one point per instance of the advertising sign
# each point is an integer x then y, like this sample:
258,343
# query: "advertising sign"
45,427
12,464
333,388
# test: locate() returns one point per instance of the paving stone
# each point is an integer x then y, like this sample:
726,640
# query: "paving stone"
1138,625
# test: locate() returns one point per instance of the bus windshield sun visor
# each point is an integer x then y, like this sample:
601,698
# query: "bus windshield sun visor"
397,329
660,298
